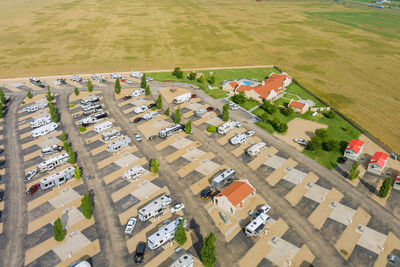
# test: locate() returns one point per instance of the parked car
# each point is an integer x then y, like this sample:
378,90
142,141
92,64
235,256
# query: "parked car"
250,133
210,109
238,124
139,253
140,109
152,105
77,115
194,95
137,137
301,141
130,225
233,106
127,97
153,137
206,193
136,120
126,81
177,207
342,160
263,209
30,175
32,190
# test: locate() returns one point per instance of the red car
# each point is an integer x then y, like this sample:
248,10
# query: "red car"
194,95
210,109
32,190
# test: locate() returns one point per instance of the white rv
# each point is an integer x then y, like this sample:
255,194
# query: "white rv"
200,112
87,121
226,127
164,234
115,76
109,135
238,139
256,148
41,121
35,107
138,92
57,178
170,130
52,163
136,75
43,130
90,100
140,109
51,150
119,144
186,260
103,126
98,78
150,115
75,78
155,208
182,98
134,173
223,178
256,226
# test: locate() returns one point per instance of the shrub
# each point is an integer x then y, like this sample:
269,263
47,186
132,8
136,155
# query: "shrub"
385,187
212,129
264,117
225,112
23,102
354,171
211,79
288,111
283,127
147,90
321,133
180,234
154,165
2,96
153,108
201,79
143,82
58,231
239,98
314,144
329,114
71,105
192,75
276,122
63,136
178,115
269,107
66,146
87,206
188,127
29,95
208,257
82,129
71,154
159,102
177,73
76,91
89,86
166,112
78,173
117,86
330,145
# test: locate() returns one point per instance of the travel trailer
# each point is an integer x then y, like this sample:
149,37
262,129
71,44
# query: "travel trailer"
238,139
75,78
98,78
256,226
223,178
182,98
119,144
43,130
103,126
140,109
87,121
226,127
134,172
37,82
256,149
51,150
138,92
150,115
164,234
57,178
155,208
109,135
40,121
35,107
52,163
90,99
170,130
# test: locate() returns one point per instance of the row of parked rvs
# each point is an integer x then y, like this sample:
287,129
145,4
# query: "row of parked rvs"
35,107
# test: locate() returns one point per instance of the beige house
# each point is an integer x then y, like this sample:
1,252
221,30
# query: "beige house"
299,107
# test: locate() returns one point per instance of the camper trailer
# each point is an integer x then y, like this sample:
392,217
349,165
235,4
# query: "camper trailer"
87,121
90,106
164,234
150,115
200,112
115,76
256,149
51,150
119,144
98,78
136,75
35,107
89,111
138,92
170,130
256,226
37,82
90,100
155,208
43,130
41,121
75,78
103,126
52,163
223,178
238,139
226,127
134,173
57,178
140,109
186,260
182,98
109,135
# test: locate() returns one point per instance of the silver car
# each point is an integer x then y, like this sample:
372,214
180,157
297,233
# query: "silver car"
130,225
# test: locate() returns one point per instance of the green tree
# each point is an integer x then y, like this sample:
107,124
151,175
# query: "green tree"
269,107
178,115
264,117
283,127
48,95
89,86
385,187
154,165
177,73
76,91
288,111
1,110
78,173
63,136
53,112
225,112
147,90
212,129
29,95
239,98
321,133
329,114
192,75
188,127
330,145
66,146
166,112
201,79
211,79
159,102
143,82
354,171
276,122
58,231
117,86
208,257
87,206
2,96
314,143
180,234
71,155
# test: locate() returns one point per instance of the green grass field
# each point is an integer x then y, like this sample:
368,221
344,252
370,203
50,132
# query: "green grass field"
347,55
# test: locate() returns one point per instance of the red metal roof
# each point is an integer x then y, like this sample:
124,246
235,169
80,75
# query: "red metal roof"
355,145
379,158
237,192
274,82
296,104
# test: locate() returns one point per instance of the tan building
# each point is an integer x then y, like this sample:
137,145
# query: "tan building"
299,107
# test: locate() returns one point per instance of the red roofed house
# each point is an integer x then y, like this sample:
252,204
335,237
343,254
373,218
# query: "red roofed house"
234,196
378,162
354,149
298,107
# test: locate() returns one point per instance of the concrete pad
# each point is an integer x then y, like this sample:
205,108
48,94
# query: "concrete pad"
50,141
349,238
275,162
214,120
304,254
73,215
372,240
204,182
207,167
297,193
35,154
64,197
89,251
238,151
126,159
282,252
342,214
215,214
40,139
195,164
144,190
170,140
181,142
279,173
115,156
71,244
225,139
153,127
13,86
294,176
206,117
193,154
261,158
392,242
169,93
119,173
316,192
179,153
124,191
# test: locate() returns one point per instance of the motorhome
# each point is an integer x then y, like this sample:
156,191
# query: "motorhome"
35,107
182,98
119,144
134,173
87,121
155,208
43,130
58,178
170,130
91,110
75,78
164,234
50,150
90,99
150,115
140,109
98,78
52,163
109,135
226,127
256,226
238,139
115,76
103,126
37,82
256,149
41,121
223,178
138,92
200,112
186,260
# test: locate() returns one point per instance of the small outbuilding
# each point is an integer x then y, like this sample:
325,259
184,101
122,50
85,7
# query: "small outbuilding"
378,162
354,149
299,107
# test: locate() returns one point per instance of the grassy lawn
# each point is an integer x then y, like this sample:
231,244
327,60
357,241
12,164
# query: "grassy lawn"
278,114
294,90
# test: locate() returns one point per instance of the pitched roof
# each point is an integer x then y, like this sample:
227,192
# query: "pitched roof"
296,104
234,84
237,192
274,82
355,145
379,158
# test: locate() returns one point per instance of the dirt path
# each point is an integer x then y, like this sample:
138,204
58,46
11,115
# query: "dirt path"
16,222
110,232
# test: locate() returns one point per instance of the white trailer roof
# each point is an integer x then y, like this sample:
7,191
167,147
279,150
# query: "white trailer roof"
164,231
257,222
220,177
58,175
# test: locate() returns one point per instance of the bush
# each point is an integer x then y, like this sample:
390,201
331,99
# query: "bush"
177,73
66,146
2,97
82,129
166,112
29,95
275,123
264,117
201,79
153,108
314,144
211,79
53,112
23,102
354,171
71,154
321,133
283,127
76,91
178,115
192,76
212,129
385,187
159,102
87,206
208,257
89,86
147,90
48,95
180,234
63,136
78,173
58,231
225,112
117,86
329,114
71,105
288,111
188,127
268,107
154,165
239,98
330,145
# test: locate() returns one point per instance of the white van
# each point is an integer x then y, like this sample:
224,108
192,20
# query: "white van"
238,139
140,109
256,148
226,127
182,98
